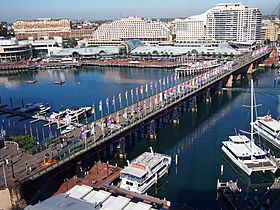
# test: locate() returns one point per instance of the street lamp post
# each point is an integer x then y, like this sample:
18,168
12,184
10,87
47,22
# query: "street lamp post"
4,175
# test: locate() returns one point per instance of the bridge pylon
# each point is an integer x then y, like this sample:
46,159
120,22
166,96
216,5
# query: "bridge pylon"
175,116
230,81
220,89
193,104
152,134
208,98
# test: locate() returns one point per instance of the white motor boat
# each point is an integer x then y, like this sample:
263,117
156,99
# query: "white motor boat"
68,129
144,171
269,129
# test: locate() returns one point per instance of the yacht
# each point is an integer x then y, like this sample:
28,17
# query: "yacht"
269,129
80,113
245,154
144,171
68,129
61,114
44,109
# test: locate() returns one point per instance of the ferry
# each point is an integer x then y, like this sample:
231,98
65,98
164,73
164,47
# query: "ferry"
144,171
245,154
269,129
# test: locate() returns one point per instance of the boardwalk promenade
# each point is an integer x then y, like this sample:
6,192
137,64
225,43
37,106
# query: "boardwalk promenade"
118,124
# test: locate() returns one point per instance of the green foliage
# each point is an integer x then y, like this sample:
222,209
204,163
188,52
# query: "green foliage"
267,41
70,43
25,142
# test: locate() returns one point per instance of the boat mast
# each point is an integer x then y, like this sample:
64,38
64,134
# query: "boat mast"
252,112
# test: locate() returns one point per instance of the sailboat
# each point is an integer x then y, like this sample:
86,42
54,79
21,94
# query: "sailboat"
245,154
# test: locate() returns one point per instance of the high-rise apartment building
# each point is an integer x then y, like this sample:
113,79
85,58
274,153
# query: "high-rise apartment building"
269,31
132,28
224,22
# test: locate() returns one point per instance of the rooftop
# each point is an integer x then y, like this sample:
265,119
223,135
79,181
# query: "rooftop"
271,123
87,51
161,50
143,163
62,202
93,200
242,146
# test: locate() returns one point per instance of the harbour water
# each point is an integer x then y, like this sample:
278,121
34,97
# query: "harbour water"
196,140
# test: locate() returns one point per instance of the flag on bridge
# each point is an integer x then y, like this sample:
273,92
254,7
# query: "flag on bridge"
100,105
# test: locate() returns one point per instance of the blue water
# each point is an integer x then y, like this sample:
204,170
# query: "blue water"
196,140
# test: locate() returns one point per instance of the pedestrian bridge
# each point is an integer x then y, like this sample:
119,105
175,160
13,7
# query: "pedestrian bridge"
146,108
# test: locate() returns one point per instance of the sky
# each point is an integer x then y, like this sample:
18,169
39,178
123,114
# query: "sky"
11,10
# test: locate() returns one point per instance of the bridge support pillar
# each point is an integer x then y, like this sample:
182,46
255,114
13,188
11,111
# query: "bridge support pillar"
239,77
152,130
79,169
208,98
193,104
220,89
230,81
175,116
16,194
251,69
122,153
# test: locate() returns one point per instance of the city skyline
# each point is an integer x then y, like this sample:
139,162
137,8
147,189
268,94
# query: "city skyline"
112,9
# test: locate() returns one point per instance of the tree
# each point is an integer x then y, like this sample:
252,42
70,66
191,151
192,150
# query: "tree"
25,142
70,43
267,41
155,52
194,51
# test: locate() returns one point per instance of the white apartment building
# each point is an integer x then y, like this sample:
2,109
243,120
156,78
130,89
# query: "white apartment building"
225,22
191,29
132,28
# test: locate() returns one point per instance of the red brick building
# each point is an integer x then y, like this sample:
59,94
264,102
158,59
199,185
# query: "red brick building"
82,33
42,27
49,27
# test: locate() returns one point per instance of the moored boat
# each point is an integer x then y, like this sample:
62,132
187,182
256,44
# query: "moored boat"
269,129
245,154
144,171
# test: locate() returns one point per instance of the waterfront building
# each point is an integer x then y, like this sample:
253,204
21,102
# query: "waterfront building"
3,29
12,51
182,52
43,47
132,28
42,27
82,33
85,53
191,29
224,22
269,30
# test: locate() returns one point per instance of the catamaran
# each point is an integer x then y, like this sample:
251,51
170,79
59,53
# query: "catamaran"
144,171
269,129
244,153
